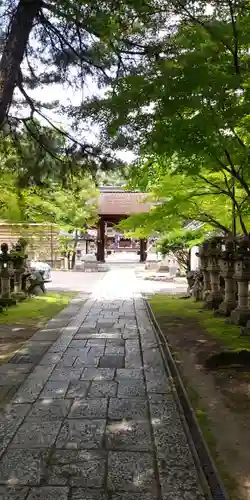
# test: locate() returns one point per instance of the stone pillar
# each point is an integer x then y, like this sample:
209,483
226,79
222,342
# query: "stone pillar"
18,280
226,263
5,281
215,296
6,272
143,250
19,268
241,314
100,256
19,259
24,279
203,255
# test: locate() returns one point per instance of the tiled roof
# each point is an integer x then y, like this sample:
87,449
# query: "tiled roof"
122,203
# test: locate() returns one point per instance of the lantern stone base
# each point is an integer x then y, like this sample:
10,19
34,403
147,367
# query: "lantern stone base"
213,301
8,301
18,296
245,330
198,296
225,308
239,316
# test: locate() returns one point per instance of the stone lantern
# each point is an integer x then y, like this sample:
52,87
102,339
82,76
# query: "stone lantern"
241,314
19,260
226,263
215,297
6,273
203,255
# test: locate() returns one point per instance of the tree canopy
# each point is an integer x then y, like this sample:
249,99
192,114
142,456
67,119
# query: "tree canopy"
169,81
72,43
190,104
38,187
178,198
179,243
71,207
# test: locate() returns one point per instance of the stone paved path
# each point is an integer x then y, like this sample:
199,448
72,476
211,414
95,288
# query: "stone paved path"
13,373
96,419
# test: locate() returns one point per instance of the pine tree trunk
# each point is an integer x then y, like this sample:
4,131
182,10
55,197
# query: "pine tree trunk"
13,51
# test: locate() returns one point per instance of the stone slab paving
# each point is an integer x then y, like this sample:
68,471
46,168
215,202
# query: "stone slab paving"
96,419
16,371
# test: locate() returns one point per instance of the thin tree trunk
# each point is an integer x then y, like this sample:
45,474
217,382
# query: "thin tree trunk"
68,258
74,250
188,266
13,51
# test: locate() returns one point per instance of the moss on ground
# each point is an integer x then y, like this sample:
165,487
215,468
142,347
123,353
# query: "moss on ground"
166,307
216,327
30,315
36,311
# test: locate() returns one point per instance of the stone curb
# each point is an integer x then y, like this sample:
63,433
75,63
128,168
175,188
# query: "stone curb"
205,461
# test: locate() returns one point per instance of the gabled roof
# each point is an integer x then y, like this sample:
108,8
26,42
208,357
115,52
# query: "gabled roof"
120,202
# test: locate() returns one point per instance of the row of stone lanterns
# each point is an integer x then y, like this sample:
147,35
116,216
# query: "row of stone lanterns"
233,265
12,273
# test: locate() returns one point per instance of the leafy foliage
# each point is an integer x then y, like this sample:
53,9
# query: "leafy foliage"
70,206
38,164
115,177
171,83
72,43
177,198
189,108
179,243
38,187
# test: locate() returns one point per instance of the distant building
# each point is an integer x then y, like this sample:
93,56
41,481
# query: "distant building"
115,204
42,239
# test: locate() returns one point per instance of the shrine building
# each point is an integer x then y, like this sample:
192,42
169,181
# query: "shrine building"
115,204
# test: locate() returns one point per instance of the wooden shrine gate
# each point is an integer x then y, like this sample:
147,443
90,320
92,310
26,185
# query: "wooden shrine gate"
115,204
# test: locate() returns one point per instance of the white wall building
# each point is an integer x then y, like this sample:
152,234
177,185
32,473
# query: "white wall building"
194,259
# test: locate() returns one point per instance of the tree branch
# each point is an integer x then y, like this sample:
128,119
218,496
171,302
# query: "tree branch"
236,174
61,38
238,138
202,24
86,149
236,40
210,183
208,218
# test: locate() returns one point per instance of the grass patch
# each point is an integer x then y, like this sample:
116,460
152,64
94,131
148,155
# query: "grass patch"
172,306
36,311
30,315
